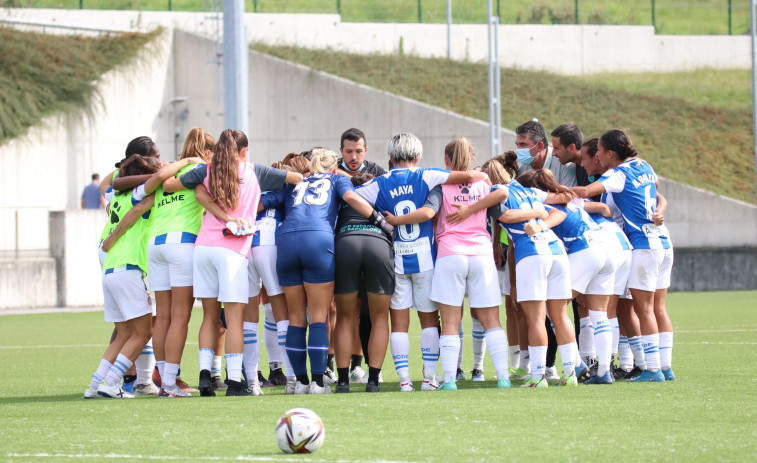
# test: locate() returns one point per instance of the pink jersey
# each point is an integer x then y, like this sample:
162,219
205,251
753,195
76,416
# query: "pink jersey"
470,237
211,231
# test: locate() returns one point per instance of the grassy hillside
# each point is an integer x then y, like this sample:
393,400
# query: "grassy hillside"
672,16
693,127
43,74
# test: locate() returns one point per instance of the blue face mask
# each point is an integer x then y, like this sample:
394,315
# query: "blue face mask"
524,156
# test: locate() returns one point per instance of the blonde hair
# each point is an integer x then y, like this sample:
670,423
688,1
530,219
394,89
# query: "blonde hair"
196,143
223,171
496,172
460,153
322,160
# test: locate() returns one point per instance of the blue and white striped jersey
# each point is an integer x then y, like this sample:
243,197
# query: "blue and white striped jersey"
609,227
266,226
401,191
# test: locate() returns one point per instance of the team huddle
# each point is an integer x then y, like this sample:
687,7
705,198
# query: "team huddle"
338,251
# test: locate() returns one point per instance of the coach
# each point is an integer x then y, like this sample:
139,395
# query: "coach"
353,148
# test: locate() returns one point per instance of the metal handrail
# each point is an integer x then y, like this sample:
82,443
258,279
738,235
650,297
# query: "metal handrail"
63,26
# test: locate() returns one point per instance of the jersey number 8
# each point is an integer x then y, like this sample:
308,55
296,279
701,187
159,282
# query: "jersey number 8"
407,232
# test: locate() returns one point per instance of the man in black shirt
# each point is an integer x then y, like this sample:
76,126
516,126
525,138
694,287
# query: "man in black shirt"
353,148
566,141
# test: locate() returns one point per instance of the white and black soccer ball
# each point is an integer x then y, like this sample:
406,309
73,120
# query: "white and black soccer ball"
300,431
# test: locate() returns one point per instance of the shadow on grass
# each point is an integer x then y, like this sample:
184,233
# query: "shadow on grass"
40,399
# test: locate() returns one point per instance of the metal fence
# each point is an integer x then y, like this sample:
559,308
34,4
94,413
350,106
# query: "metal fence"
698,17
24,231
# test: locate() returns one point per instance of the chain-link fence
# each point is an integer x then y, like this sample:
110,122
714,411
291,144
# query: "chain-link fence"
698,17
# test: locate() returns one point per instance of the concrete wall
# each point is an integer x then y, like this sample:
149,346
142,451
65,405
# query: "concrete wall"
715,269
74,239
566,49
27,282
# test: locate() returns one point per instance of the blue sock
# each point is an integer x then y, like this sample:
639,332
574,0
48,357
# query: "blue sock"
318,348
297,351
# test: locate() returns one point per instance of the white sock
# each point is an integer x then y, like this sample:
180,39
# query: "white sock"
514,356
251,351
586,340
479,344
666,350
602,340
117,370
625,356
429,348
449,348
461,335
637,349
496,339
283,327
160,365
271,338
568,358
234,367
206,358
615,335
100,374
651,343
400,355
538,356
170,371
525,360
145,364
215,368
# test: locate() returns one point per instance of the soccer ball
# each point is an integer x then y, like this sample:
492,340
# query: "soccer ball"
300,431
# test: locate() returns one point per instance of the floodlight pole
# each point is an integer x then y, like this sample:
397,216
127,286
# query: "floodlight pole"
235,67
495,111
449,29
753,14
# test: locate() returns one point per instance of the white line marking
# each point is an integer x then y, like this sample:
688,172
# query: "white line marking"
115,456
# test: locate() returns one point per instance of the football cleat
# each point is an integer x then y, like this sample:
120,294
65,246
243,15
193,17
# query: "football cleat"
429,381
668,374
156,377
406,386
460,375
255,389
633,374
477,375
184,386
518,374
90,393
448,386
206,384
316,389
218,384
328,377
583,372
358,375
300,388
372,386
539,383
342,388
648,376
604,379
237,389
550,373
504,383
568,380
619,373
113,392
171,392
277,377
290,386
146,389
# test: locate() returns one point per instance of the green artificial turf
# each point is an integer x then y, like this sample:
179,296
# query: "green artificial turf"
708,414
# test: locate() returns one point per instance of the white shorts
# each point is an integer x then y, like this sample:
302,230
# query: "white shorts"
591,271
650,269
454,274
414,290
126,297
543,278
221,274
504,280
101,255
622,272
263,268
170,265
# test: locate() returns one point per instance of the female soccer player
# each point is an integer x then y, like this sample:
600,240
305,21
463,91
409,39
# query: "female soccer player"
220,265
633,183
305,261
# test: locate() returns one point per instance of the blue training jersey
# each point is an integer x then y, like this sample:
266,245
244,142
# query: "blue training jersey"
401,191
542,243
611,229
266,226
311,205
578,230
634,188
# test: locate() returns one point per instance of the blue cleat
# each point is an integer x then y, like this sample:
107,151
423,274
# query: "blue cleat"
649,377
448,386
604,379
129,387
668,374
504,383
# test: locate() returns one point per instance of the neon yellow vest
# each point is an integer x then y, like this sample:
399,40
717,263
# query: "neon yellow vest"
176,212
131,248
113,220
503,236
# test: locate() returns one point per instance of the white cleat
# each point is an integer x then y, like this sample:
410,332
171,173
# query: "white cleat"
113,392
254,387
316,389
328,377
90,393
406,386
550,373
172,392
300,388
146,389
290,386
429,381
359,376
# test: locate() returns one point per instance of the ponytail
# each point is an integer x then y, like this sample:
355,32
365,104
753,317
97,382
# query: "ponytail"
322,160
223,171
460,154
196,143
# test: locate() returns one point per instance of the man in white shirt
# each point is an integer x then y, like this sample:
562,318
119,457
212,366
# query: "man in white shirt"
534,152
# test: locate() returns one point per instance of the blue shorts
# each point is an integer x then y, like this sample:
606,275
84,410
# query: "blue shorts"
306,256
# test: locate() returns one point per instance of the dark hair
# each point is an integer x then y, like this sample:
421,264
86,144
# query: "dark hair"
569,133
352,135
299,164
509,160
289,156
95,177
542,179
139,165
143,146
534,130
591,146
620,143
361,178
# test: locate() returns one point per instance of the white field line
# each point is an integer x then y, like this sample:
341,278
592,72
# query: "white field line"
115,456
